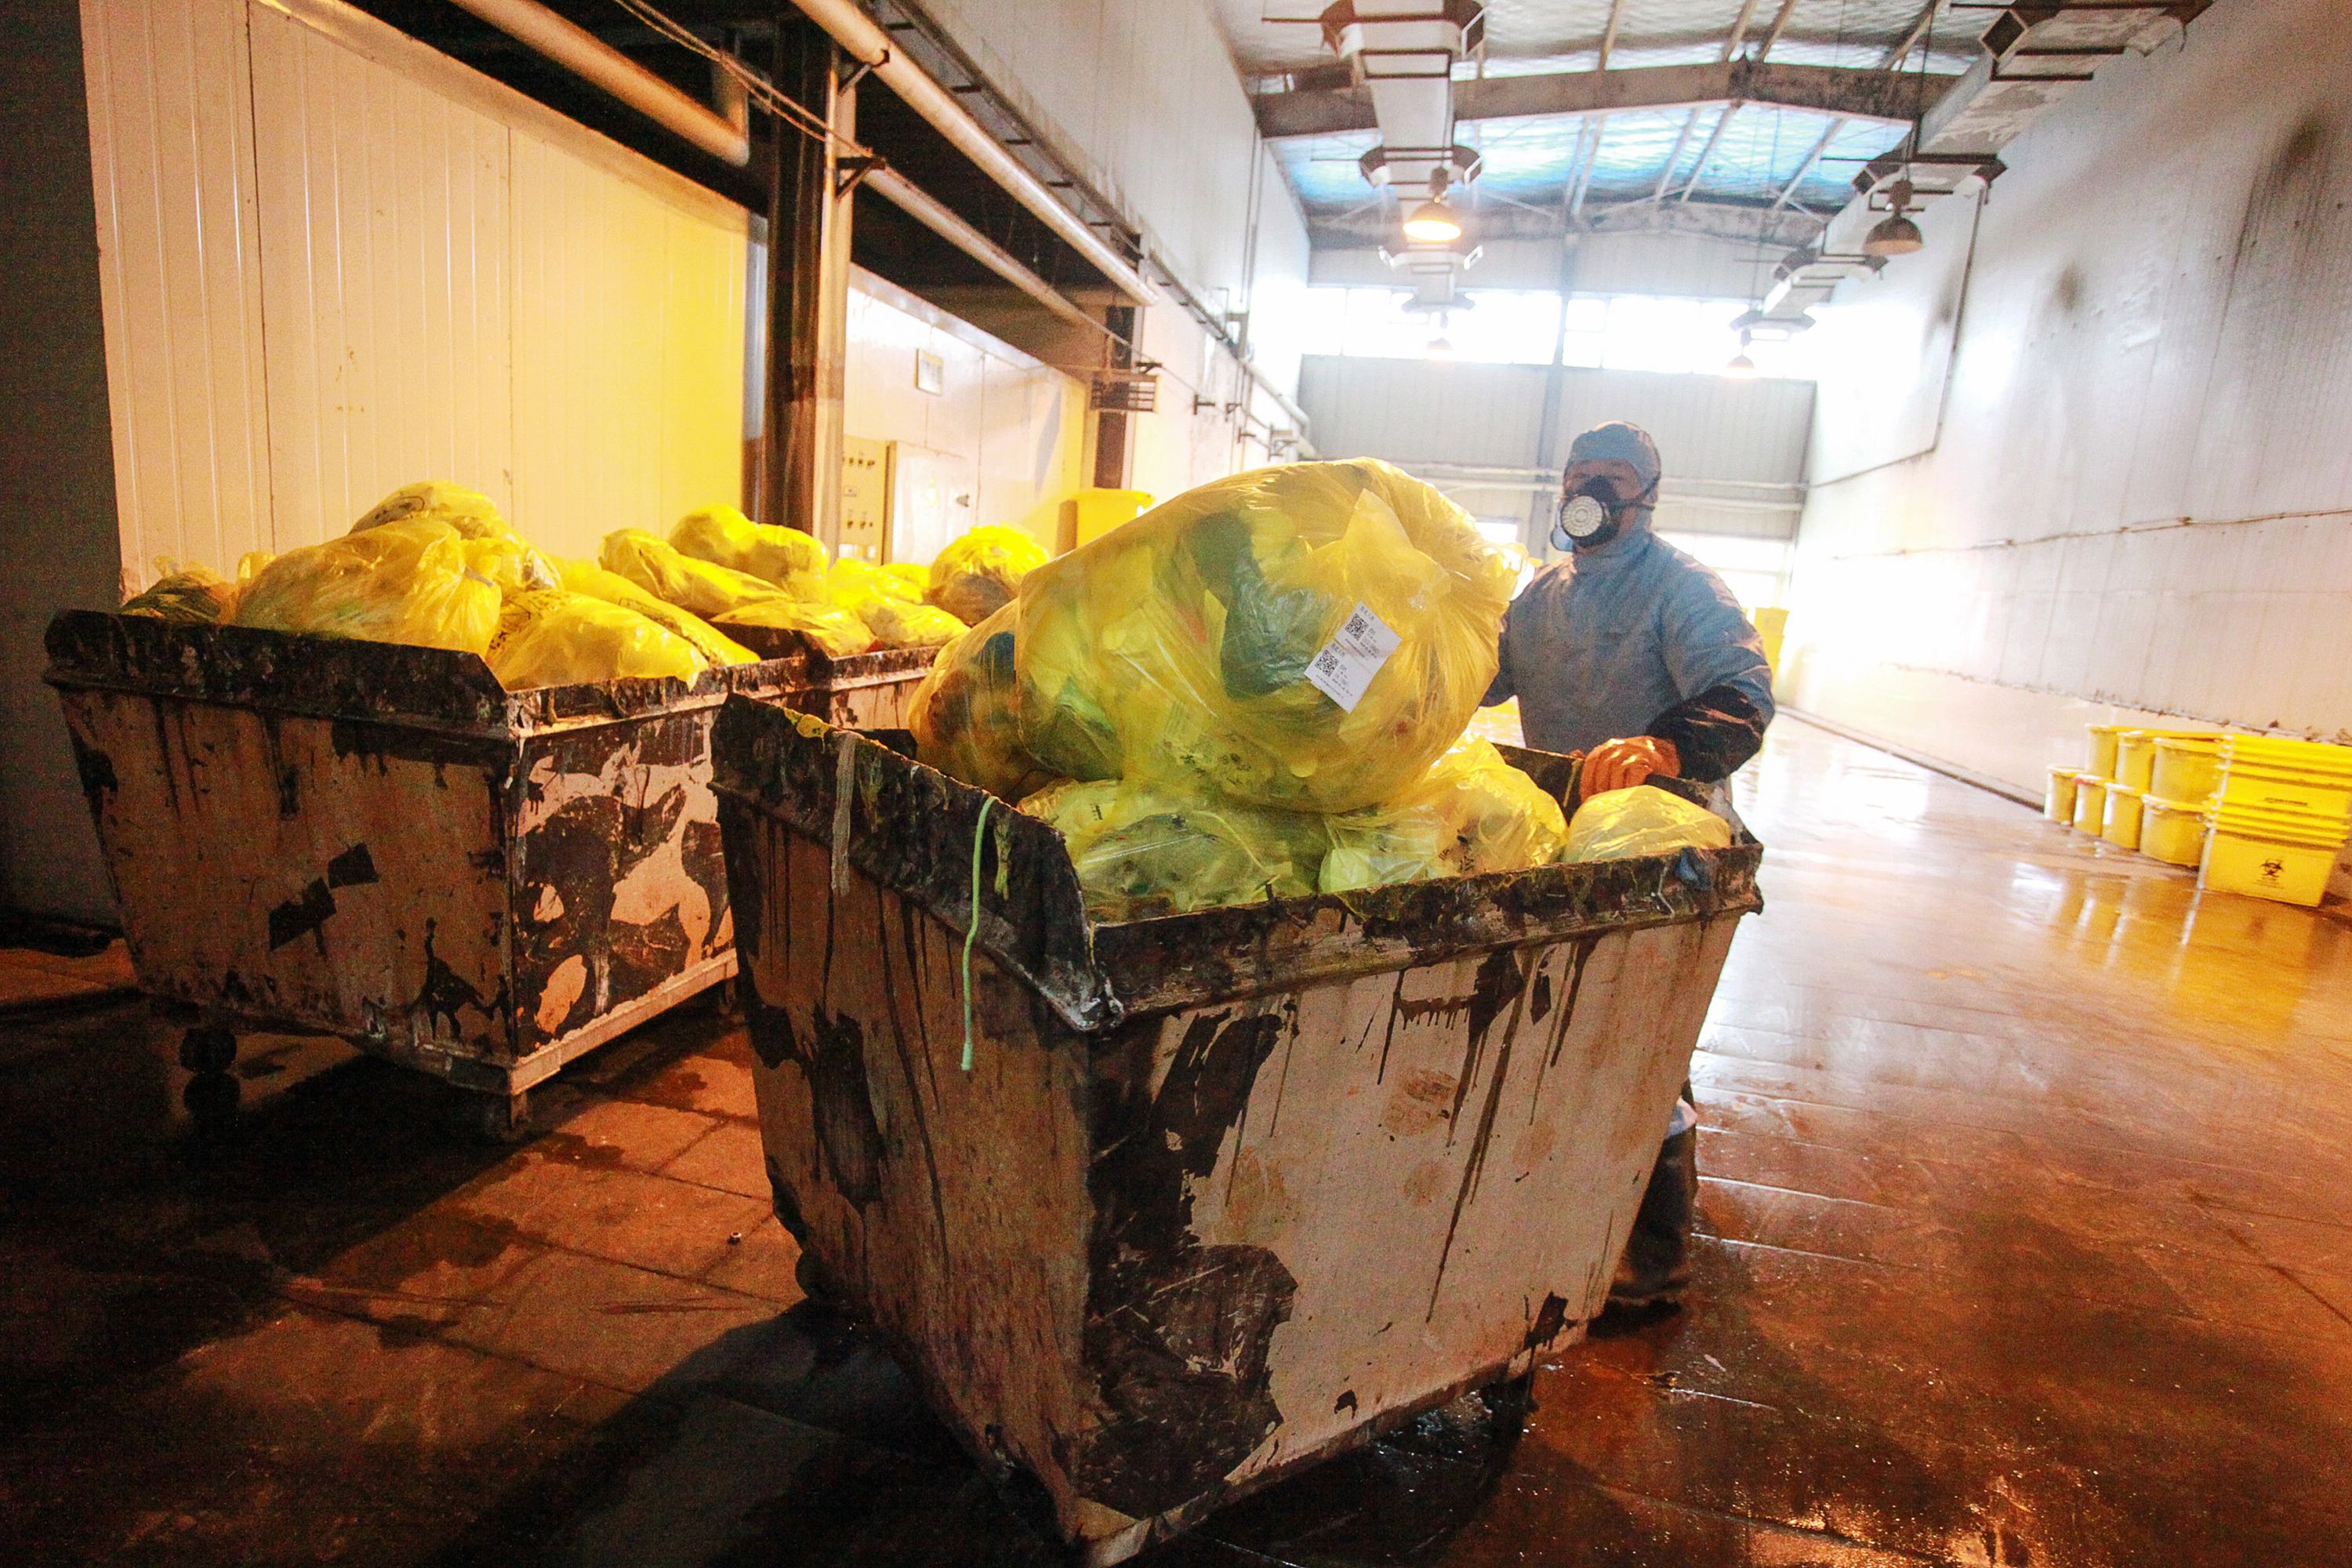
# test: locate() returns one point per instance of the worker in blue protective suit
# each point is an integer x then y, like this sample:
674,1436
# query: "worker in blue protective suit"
1636,655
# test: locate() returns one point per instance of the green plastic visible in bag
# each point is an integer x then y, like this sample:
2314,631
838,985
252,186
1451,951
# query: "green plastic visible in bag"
965,716
1141,850
830,629
551,638
470,512
793,561
402,581
192,596
1643,820
1473,813
715,646
1307,637
977,574
673,577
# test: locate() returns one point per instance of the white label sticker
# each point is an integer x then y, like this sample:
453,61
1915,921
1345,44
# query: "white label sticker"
1353,655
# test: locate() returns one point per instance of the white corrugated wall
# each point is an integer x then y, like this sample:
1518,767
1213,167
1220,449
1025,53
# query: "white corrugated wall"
335,260
2127,490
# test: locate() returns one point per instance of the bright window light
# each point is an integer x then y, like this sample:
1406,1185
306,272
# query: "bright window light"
1507,326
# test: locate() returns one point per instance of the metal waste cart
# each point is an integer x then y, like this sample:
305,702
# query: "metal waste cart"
863,690
381,842
1220,1193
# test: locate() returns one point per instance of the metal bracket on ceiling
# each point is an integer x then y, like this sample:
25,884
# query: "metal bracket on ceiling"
864,68
848,174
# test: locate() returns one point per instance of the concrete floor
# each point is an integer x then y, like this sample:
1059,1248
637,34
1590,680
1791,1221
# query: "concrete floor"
2025,1244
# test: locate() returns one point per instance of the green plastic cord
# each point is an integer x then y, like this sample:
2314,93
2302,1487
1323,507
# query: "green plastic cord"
972,932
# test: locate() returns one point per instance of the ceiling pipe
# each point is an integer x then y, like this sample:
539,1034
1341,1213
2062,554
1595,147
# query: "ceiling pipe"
866,42
589,58
926,209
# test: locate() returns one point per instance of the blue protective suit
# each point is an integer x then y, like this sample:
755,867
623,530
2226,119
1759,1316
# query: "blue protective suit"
1635,638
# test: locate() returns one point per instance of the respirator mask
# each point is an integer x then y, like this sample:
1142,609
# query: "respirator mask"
1590,516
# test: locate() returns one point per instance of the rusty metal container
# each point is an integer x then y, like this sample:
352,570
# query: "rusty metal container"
1220,1193
383,843
863,690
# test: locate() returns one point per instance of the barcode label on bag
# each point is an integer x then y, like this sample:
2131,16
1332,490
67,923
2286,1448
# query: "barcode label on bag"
1354,655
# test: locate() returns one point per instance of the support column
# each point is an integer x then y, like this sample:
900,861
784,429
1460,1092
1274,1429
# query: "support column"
1110,424
808,292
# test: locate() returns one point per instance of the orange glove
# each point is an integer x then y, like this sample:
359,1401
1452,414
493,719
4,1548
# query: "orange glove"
1622,763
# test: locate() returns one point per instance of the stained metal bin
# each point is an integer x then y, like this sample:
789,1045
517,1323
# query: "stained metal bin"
1221,1192
381,842
864,690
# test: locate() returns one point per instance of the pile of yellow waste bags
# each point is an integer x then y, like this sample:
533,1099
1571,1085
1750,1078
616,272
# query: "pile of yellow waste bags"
1256,691
434,564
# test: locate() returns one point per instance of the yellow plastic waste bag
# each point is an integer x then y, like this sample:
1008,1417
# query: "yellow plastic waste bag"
963,714
913,576
551,637
793,561
192,596
513,565
1309,636
830,629
404,582
1473,813
1643,820
673,577
1141,850
875,597
849,578
715,646
976,575
470,512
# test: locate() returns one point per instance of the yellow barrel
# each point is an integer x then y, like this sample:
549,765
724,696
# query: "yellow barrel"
2280,854
2186,767
2090,806
2122,817
2103,748
2135,756
2058,803
2172,831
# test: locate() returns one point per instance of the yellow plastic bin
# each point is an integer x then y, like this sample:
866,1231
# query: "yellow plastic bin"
2135,756
2058,803
2103,748
2186,767
2090,806
2172,831
2122,815
2262,773
2278,855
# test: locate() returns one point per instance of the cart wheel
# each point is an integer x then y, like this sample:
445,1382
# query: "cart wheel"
479,1118
208,1049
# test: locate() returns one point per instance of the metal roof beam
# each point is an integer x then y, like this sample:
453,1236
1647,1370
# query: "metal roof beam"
1854,94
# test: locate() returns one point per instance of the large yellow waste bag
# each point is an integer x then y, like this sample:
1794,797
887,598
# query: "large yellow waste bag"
830,629
193,595
879,599
512,563
404,582
850,578
793,561
551,637
913,576
1308,636
1141,850
470,512
1643,820
963,714
715,646
976,575
1473,813
668,574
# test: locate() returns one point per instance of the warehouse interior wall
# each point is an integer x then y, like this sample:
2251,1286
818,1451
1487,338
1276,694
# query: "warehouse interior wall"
983,433
2089,454
335,260
58,543
1146,101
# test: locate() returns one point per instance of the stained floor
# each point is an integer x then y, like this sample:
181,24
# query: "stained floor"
2025,1243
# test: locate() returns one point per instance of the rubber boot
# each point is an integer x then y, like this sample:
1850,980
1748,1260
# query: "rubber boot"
1656,1264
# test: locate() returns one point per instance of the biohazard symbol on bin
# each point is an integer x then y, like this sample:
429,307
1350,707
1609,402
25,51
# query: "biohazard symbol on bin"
2273,869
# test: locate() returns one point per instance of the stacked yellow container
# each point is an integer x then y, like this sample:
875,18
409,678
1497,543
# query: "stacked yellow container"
2282,817
2183,778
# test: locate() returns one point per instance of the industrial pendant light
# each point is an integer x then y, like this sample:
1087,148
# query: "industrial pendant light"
1741,367
1433,223
1895,235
